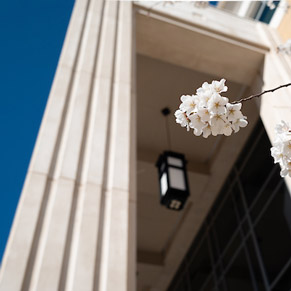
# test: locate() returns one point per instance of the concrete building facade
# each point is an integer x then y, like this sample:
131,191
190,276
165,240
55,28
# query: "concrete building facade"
89,216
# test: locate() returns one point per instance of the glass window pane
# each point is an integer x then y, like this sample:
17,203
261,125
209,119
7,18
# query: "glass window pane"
246,227
238,201
238,276
180,277
180,285
175,162
236,242
274,233
273,180
214,247
200,267
176,179
257,169
236,262
225,223
209,284
255,265
284,284
250,145
164,184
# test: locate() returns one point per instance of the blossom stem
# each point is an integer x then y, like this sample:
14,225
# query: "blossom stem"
260,94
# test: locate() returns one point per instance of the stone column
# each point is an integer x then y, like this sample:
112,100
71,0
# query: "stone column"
74,227
275,71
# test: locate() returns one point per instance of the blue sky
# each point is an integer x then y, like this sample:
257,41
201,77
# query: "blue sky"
31,38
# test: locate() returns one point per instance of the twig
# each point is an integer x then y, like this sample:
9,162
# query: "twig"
260,94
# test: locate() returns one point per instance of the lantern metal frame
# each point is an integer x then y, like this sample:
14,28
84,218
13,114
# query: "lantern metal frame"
173,198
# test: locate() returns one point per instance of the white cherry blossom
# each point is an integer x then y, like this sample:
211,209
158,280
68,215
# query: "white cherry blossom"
182,119
206,130
205,86
287,147
196,123
286,171
217,123
189,103
281,151
209,113
285,164
204,96
282,128
204,114
276,154
219,86
233,111
227,129
217,104
241,122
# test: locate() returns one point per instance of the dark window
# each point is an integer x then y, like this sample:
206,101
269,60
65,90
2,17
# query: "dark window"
265,13
245,241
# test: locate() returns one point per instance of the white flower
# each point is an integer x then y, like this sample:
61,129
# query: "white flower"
276,154
189,103
216,104
271,4
206,130
284,172
208,112
217,123
282,128
219,86
204,96
286,148
196,123
285,47
205,86
281,151
239,123
182,119
285,167
197,131
227,130
233,111
204,114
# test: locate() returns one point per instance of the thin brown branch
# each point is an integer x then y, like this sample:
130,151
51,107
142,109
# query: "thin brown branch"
260,94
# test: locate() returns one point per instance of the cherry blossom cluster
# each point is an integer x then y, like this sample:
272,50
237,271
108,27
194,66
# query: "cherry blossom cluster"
281,151
285,48
271,4
207,112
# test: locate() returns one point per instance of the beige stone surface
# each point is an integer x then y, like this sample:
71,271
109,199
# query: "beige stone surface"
44,155
75,224
15,263
276,71
47,269
85,250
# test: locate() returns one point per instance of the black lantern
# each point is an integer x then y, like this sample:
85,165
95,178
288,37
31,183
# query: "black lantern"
173,180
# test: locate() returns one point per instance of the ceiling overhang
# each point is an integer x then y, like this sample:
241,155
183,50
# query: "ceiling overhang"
191,45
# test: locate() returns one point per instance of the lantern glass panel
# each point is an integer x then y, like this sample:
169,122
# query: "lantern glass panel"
175,162
164,184
176,178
